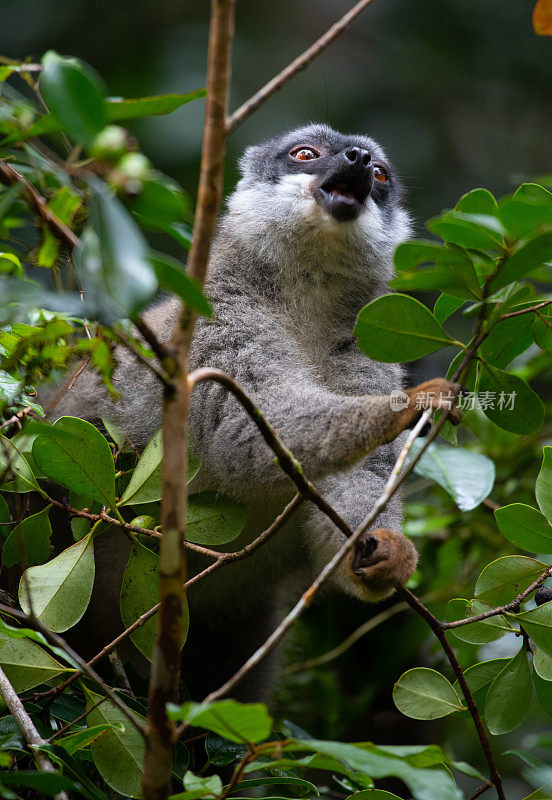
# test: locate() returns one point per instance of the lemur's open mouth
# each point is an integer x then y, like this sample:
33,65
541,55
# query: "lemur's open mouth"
342,196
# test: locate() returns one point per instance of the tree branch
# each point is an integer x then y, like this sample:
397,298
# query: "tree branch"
302,61
9,177
438,629
27,728
84,668
513,606
308,596
286,459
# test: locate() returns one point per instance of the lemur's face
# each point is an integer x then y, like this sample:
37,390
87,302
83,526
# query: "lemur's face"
343,175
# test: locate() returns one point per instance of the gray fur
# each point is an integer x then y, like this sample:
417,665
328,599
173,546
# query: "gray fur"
286,281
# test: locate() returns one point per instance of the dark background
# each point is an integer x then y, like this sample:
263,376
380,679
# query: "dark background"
457,91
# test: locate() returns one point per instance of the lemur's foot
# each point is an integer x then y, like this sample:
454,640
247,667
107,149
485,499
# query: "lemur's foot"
438,394
380,561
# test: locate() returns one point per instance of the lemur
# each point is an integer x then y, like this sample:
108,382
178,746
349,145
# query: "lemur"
306,241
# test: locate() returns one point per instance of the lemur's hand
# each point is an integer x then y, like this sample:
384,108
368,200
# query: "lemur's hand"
380,561
438,394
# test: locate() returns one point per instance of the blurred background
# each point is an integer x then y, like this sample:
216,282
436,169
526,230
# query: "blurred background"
458,93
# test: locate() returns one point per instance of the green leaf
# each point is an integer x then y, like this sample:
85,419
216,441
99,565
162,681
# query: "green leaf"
478,201
81,739
502,580
468,477
61,589
476,632
529,209
46,783
29,542
544,694
380,762
73,453
481,675
146,483
373,794
196,787
119,754
543,486
214,519
542,663
74,96
172,276
542,328
15,468
396,328
64,205
159,205
538,625
504,390
26,664
509,696
445,306
412,254
526,258
525,527
453,273
473,231
238,722
278,781
113,259
139,593
422,693
507,340
140,107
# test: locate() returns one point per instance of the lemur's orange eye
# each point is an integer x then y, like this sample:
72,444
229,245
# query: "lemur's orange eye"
380,173
304,153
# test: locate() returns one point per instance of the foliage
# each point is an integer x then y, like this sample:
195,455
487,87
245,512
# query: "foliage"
489,261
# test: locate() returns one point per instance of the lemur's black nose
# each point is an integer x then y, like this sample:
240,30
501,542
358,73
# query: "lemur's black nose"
356,155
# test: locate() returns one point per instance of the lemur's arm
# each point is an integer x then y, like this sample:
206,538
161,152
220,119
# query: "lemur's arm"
326,431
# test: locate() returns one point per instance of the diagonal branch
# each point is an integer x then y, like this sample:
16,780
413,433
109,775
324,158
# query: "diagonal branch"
26,726
296,66
438,629
10,177
286,459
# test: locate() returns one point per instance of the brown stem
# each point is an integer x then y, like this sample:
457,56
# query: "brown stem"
58,641
307,597
161,351
26,726
286,460
513,606
302,61
165,672
480,791
438,629
529,310
222,559
9,177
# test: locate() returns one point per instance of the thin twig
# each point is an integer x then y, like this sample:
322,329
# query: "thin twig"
529,310
58,641
302,61
9,177
68,385
308,596
16,418
222,559
161,350
27,728
513,606
438,629
480,791
147,362
286,459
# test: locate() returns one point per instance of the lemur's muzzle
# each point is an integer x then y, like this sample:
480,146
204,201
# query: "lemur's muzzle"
344,187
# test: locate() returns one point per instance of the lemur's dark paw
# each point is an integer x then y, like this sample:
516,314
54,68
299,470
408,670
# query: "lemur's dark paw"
381,560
